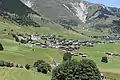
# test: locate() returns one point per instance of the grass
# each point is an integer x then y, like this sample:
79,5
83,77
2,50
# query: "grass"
112,76
94,32
23,54
97,52
41,30
21,74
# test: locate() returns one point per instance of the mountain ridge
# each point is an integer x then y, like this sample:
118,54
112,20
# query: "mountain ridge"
68,13
77,10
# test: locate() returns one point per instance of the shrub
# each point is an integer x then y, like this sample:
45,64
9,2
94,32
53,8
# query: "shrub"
6,63
17,39
44,71
12,30
21,66
27,66
11,65
67,56
104,59
17,65
23,41
5,30
42,68
1,47
76,70
2,63
15,36
38,62
49,67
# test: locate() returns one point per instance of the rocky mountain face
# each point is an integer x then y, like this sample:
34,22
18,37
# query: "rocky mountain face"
68,13
17,11
15,6
74,12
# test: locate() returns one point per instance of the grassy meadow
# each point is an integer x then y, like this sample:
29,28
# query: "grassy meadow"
23,54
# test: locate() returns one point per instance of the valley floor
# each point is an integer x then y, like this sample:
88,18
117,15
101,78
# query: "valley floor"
22,54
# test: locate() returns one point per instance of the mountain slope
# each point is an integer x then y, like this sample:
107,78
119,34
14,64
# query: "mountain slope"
23,54
15,6
68,13
18,12
76,11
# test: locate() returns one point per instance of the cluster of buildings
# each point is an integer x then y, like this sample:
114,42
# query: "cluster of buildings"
112,54
107,37
53,41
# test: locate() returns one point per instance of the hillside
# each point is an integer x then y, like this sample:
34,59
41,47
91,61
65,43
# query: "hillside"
18,12
69,14
15,6
23,54
75,12
89,27
19,74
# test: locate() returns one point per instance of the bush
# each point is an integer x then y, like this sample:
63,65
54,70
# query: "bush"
17,65
5,30
11,65
104,59
12,30
2,63
23,41
38,62
21,66
49,67
1,47
17,39
6,63
15,36
44,71
27,66
42,68
76,70
67,56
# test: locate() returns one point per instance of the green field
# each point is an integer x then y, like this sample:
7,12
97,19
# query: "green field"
97,52
23,54
22,74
